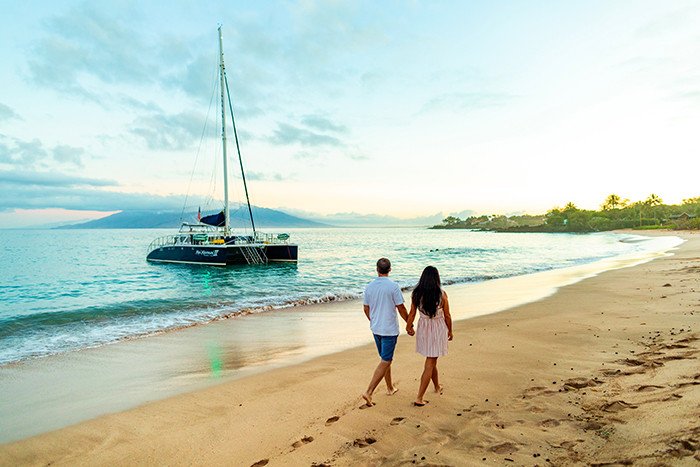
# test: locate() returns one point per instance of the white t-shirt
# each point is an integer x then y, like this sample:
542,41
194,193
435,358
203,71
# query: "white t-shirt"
383,296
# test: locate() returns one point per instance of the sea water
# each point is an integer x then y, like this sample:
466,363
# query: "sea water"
64,290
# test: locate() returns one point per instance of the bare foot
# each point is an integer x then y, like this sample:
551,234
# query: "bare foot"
420,403
392,391
368,399
439,388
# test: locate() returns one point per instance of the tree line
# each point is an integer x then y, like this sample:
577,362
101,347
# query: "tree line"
615,212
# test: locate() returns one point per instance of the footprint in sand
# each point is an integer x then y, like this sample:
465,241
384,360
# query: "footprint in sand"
672,397
617,406
689,383
683,447
549,423
592,425
674,346
565,444
363,442
302,441
332,420
397,420
631,362
504,448
676,357
260,463
580,383
648,387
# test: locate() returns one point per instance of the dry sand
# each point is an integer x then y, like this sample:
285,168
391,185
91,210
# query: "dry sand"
604,372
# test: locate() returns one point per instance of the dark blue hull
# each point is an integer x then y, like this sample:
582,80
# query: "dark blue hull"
281,252
219,255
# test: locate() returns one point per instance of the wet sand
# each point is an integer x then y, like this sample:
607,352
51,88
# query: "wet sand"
604,371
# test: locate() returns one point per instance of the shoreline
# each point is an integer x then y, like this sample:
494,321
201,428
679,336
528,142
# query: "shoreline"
321,300
271,412
128,373
204,313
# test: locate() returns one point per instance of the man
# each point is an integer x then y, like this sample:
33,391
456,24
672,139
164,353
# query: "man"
382,298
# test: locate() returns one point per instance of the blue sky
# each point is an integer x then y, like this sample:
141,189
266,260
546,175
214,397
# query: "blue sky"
398,108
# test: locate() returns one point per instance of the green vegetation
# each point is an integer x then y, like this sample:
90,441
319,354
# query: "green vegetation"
615,213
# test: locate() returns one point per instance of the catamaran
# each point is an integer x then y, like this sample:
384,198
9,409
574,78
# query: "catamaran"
211,240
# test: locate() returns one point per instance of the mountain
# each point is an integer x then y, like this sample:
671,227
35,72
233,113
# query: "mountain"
149,219
354,219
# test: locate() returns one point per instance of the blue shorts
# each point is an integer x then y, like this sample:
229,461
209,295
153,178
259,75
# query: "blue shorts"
385,346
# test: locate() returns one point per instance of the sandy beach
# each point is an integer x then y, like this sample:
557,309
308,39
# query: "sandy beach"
604,372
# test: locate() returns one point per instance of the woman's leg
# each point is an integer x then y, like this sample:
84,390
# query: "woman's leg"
434,378
425,378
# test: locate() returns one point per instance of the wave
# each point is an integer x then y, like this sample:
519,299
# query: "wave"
634,239
44,333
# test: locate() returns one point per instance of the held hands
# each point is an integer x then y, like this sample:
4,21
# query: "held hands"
409,330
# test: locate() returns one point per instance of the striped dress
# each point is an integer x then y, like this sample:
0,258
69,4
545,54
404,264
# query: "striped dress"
431,334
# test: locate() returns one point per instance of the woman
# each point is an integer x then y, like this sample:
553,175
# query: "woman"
434,327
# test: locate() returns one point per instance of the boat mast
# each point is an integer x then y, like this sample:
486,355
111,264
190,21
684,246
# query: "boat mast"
240,159
222,72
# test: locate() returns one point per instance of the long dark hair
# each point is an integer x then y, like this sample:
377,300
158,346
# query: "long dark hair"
427,294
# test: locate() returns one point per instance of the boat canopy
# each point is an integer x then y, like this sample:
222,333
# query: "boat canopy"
217,220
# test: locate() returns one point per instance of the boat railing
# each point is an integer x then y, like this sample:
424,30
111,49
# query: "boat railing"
258,238
160,242
271,238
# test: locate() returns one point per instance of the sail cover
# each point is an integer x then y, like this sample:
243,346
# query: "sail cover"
217,220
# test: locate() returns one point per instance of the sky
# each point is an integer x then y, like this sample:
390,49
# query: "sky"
394,108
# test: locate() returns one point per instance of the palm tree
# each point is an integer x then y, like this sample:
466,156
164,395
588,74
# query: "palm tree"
451,220
613,201
653,201
639,206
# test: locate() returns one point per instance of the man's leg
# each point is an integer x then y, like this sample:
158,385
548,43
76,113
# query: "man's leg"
379,374
390,388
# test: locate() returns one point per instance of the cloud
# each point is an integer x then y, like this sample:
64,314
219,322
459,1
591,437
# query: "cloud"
197,76
692,96
90,42
68,154
6,113
170,132
29,154
317,131
350,152
50,179
18,152
90,49
465,101
322,123
672,21
133,103
94,53
40,191
286,134
262,176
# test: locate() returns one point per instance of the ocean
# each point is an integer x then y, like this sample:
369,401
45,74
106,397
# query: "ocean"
65,290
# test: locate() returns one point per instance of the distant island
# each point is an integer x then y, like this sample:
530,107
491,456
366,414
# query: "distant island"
152,219
614,213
